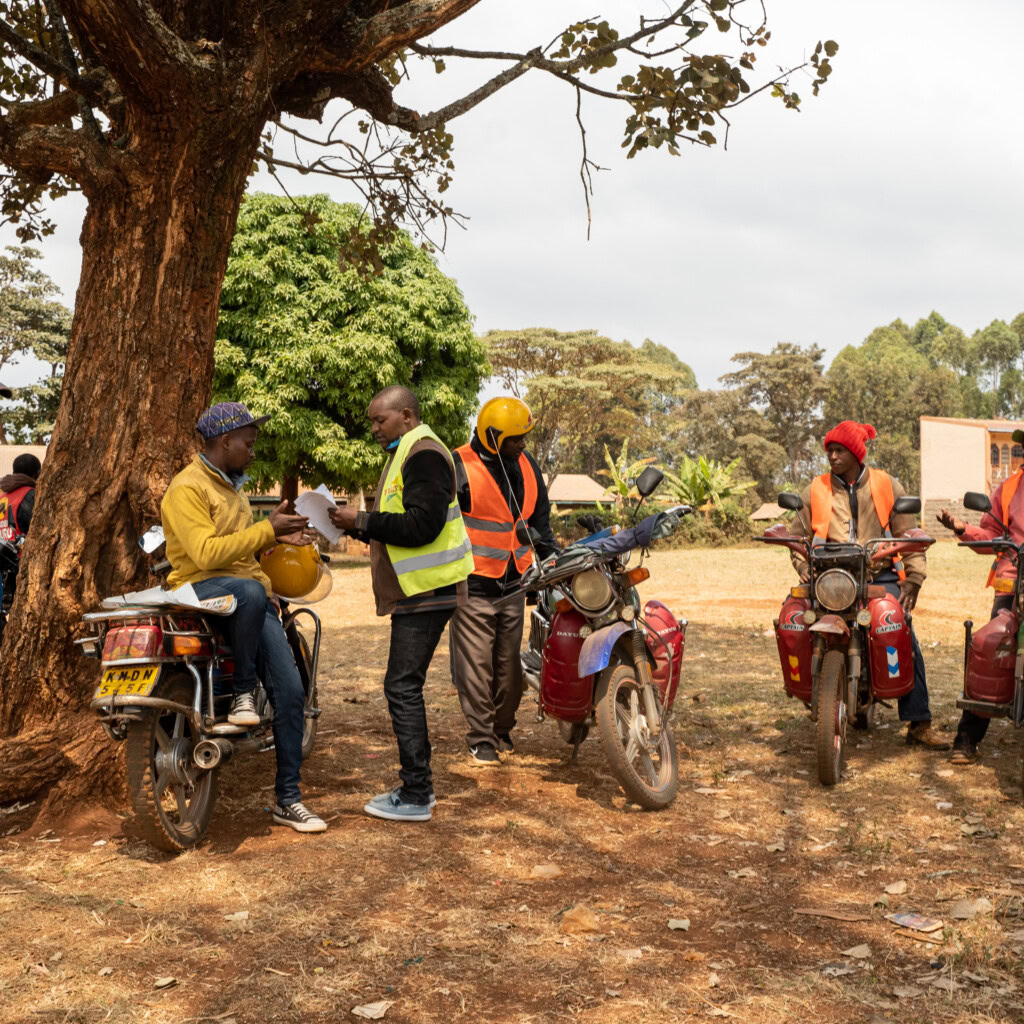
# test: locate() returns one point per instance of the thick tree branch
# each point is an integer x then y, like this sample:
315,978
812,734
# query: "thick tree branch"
40,58
41,151
146,58
401,25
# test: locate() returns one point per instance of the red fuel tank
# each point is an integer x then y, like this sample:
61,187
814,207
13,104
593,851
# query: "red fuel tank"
796,645
991,660
669,663
890,651
564,693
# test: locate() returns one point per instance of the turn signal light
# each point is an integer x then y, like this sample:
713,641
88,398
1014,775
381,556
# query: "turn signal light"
186,645
1003,586
803,590
638,575
563,604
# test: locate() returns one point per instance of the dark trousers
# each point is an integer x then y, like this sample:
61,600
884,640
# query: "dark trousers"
486,634
973,727
257,639
913,707
414,638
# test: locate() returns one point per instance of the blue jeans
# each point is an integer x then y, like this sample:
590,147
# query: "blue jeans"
258,642
914,706
414,638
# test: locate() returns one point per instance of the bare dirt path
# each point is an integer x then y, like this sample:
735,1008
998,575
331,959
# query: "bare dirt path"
445,921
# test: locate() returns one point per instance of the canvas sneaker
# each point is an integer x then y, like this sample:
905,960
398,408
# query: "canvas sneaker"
299,817
392,807
243,710
484,753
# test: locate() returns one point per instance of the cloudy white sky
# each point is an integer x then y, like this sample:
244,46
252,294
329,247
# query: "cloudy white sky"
895,192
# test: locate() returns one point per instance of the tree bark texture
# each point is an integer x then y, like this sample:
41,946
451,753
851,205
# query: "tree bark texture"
154,247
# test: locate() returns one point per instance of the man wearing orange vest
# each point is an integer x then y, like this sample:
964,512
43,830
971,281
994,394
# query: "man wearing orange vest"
498,485
854,503
18,497
1007,507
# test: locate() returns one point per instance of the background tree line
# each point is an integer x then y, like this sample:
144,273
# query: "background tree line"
305,337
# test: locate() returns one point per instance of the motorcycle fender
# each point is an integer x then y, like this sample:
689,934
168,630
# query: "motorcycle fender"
833,624
596,651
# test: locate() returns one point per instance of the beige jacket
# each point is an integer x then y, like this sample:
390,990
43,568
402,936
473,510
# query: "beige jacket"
868,526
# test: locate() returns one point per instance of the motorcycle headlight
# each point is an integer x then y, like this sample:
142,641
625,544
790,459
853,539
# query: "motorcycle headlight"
836,589
591,590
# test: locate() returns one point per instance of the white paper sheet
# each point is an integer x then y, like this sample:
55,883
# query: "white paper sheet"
315,505
185,595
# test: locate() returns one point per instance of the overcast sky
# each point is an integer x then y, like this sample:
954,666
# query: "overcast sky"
895,192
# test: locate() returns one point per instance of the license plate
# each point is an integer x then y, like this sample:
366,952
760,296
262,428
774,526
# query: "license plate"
130,681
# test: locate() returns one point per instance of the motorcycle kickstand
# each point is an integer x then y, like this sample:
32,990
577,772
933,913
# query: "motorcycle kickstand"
577,740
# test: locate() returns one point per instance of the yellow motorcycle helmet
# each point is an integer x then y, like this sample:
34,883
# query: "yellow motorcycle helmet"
500,418
297,573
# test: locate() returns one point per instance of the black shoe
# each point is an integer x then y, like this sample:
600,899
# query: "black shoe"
484,753
964,751
505,744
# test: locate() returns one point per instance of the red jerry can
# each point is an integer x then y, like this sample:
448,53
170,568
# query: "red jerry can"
991,660
890,650
795,647
668,664
564,694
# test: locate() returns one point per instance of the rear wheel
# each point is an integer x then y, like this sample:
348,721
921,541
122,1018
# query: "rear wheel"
831,718
173,799
647,769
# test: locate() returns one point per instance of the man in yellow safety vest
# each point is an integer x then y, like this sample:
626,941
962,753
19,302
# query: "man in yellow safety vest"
854,503
420,557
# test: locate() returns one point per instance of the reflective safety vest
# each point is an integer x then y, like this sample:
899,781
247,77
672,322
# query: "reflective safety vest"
9,505
880,486
448,558
491,524
1010,485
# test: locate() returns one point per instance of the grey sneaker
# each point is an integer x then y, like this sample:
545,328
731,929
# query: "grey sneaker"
299,817
243,710
392,807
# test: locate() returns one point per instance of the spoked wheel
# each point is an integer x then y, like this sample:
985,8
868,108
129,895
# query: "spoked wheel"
831,718
647,769
309,724
173,799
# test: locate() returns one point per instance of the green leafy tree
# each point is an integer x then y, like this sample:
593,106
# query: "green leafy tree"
787,386
308,340
32,323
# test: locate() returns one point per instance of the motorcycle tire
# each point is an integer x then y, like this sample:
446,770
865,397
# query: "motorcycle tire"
831,726
172,798
619,712
309,725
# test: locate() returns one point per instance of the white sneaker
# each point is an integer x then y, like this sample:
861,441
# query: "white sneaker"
299,817
243,710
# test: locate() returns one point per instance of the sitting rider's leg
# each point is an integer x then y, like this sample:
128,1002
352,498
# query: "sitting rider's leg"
241,631
280,675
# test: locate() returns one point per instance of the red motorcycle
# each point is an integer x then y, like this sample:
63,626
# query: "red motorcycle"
844,643
595,658
994,656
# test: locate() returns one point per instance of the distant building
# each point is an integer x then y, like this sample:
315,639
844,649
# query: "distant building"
576,489
959,455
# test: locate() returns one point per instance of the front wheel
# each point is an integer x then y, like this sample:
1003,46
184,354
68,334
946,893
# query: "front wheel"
648,770
172,797
831,718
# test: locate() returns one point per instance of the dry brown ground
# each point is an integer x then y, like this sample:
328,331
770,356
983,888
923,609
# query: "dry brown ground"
444,920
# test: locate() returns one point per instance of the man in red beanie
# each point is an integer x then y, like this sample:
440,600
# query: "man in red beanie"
854,503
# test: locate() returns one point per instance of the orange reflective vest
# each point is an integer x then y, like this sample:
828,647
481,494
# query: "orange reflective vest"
880,486
1010,485
9,504
490,523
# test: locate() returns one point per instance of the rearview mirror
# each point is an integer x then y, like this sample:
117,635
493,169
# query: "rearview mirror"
791,502
649,481
977,502
526,534
906,505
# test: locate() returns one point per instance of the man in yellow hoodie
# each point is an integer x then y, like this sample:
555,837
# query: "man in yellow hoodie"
213,543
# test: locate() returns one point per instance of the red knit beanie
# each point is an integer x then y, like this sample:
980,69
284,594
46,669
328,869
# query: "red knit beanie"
851,435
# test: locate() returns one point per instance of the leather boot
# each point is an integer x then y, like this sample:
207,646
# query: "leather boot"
922,734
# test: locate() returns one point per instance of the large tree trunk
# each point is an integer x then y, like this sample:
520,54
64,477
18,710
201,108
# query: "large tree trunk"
138,374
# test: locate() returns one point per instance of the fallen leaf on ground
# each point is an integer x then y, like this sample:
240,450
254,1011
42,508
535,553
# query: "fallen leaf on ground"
580,919
835,915
978,979
907,991
896,888
694,956
105,972
968,910
777,847
274,970
946,984
717,1011
614,993
944,773
545,871
712,980
943,805
241,915
861,952
631,954
679,924
743,873
373,1011
100,842
837,970
165,982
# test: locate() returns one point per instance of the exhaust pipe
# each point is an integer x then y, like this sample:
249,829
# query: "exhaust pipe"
209,754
